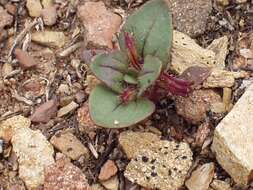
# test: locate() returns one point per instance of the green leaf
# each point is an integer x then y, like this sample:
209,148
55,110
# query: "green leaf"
151,28
130,79
106,111
110,69
150,72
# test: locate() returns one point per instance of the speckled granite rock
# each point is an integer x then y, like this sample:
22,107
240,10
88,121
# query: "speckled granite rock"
190,16
233,139
131,142
163,165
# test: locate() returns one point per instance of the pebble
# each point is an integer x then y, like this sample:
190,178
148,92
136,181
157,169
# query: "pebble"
131,142
220,185
45,112
12,9
201,177
164,165
67,109
190,16
50,38
111,184
241,1
108,170
47,3
6,69
26,61
6,19
232,141
49,16
69,145
9,126
194,107
101,24
34,7
64,175
34,153
83,117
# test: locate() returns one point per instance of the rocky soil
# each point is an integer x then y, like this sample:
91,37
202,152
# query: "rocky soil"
47,139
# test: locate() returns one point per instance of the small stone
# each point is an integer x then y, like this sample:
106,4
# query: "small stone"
241,1
111,184
194,107
6,19
91,82
164,165
201,177
49,16
63,90
186,53
108,170
131,142
47,3
64,175
9,126
50,38
69,145
202,133
190,16
6,69
220,48
219,79
223,2
232,141
220,185
97,186
34,153
45,112
80,96
34,7
101,24
26,61
12,9
67,109
83,117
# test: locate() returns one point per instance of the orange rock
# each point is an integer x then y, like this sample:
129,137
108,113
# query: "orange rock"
45,112
25,60
108,170
101,24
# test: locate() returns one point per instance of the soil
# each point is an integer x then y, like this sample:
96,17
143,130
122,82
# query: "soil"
53,70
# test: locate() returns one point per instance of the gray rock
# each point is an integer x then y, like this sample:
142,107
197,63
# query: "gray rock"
233,139
190,16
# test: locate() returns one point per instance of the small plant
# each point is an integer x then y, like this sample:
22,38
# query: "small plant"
133,76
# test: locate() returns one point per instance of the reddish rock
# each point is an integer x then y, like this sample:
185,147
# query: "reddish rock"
99,22
108,170
64,175
26,61
5,18
12,9
45,112
49,16
194,107
84,120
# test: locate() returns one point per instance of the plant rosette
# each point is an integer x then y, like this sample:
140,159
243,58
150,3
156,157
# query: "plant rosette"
132,75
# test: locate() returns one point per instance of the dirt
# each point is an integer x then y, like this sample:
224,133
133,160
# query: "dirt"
52,70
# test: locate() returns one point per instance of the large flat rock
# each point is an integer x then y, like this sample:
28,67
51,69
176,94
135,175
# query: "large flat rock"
233,140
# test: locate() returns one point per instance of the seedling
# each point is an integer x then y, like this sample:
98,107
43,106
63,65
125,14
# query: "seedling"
132,76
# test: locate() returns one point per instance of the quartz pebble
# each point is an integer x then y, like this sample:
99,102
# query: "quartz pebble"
34,7
108,170
163,165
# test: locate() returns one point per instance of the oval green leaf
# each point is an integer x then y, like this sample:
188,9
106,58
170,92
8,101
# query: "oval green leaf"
149,74
110,69
151,28
106,111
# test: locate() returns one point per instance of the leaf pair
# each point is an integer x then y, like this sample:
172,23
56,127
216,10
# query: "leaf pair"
151,29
